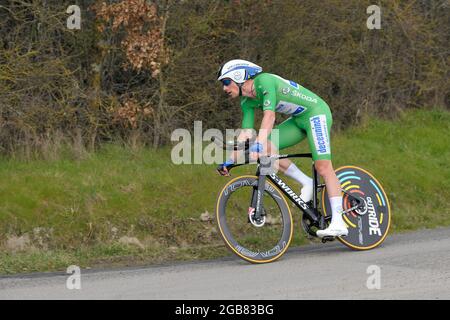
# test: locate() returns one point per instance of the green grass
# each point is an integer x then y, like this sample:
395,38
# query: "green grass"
73,211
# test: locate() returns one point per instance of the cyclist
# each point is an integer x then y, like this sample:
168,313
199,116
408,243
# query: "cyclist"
310,118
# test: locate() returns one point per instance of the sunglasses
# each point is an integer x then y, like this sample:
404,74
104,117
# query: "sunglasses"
226,82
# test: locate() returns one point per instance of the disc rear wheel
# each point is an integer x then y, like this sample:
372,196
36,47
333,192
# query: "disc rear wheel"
369,223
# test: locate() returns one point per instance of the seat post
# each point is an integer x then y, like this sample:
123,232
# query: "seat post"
316,181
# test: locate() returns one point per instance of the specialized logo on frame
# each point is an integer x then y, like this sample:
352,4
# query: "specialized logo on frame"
320,134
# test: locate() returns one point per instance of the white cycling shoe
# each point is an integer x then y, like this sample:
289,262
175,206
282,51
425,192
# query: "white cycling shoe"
335,229
306,193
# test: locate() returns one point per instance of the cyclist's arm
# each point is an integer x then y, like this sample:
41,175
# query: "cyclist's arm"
248,116
269,102
248,121
266,127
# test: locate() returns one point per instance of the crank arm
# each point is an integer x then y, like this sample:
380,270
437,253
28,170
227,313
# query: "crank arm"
354,208
350,209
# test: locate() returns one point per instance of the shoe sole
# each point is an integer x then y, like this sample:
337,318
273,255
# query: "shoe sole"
331,235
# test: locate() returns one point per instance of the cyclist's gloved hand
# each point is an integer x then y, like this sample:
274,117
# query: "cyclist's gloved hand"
222,169
256,147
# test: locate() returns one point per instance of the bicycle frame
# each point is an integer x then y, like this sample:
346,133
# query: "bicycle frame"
312,217
311,211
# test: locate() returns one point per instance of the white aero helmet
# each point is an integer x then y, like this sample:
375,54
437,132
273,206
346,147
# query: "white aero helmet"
238,70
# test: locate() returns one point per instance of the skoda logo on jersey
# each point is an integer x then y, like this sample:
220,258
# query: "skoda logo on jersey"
285,91
303,96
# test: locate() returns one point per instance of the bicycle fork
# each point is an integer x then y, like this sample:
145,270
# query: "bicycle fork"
256,212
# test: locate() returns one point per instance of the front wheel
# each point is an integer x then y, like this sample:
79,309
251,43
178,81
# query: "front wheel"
259,241
368,225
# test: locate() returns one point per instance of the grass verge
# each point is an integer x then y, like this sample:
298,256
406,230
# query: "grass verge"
121,207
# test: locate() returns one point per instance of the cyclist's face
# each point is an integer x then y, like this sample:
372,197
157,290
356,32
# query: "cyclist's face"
230,88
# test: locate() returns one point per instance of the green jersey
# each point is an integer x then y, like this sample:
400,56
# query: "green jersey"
279,95
310,116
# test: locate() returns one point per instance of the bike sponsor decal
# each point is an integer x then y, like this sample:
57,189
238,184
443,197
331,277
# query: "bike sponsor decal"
246,252
369,223
272,252
236,185
258,199
320,134
289,191
246,183
360,231
374,225
265,254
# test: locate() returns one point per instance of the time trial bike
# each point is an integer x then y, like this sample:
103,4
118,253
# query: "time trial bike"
255,220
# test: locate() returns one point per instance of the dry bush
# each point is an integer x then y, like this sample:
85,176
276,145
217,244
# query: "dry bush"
138,69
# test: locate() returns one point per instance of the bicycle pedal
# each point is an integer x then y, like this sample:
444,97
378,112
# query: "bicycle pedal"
328,239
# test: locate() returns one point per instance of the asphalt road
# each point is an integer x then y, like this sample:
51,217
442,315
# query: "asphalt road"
410,266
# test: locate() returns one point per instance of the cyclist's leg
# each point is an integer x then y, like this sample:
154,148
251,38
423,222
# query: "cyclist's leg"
318,128
285,135
288,134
